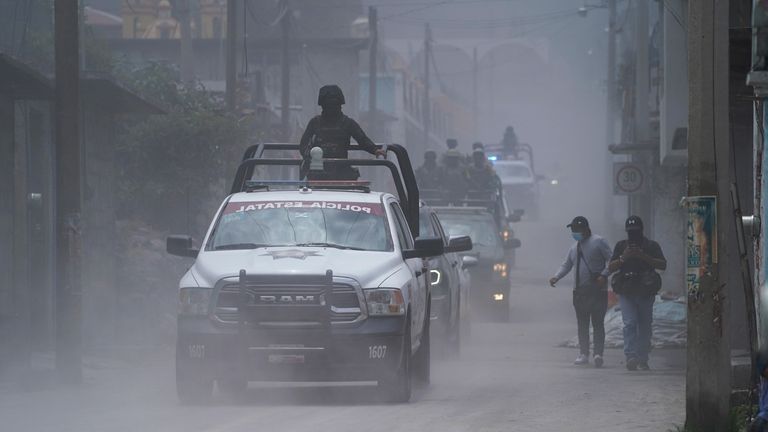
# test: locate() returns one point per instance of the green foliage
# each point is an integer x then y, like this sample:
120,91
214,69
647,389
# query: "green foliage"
174,166
738,420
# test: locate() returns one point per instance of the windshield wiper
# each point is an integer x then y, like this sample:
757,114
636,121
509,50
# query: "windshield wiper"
235,246
331,245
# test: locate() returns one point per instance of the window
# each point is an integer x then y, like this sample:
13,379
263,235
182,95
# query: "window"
440,231
401,226
345,225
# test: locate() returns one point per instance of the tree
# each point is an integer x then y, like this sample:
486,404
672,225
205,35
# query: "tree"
174,167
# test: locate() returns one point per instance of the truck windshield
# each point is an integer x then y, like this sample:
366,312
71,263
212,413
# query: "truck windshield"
343,225
513,170
481,228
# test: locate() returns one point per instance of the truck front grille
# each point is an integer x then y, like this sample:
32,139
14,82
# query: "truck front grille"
343,301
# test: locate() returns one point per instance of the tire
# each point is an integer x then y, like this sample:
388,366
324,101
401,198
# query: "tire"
192,389
398,389
423,358
233,388
454,338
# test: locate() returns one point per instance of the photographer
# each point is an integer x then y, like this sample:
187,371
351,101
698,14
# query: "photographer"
636,259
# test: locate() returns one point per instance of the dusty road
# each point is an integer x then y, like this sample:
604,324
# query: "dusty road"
510,377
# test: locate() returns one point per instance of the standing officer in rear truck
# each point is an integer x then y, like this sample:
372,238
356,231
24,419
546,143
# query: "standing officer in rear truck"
332,131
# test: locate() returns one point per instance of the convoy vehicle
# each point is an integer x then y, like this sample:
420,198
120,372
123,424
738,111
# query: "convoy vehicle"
450,280
490,277
308,281
520,184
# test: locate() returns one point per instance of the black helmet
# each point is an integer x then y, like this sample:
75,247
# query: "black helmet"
478,146
451,143
330,95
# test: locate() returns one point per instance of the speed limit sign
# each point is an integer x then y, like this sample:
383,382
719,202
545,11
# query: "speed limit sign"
628,178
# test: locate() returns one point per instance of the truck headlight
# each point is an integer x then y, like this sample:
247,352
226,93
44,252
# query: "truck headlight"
501,269
435,277
385,302
194,301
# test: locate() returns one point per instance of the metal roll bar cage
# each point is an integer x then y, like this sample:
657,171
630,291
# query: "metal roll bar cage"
402,172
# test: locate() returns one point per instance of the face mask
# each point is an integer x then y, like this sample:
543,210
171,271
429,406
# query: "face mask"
635,236
577,236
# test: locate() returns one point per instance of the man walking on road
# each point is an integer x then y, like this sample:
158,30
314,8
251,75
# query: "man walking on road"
637,258
590,255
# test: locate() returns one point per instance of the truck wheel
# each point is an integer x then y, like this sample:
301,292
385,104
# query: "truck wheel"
233,387
398,389
454,339
423,359
192,389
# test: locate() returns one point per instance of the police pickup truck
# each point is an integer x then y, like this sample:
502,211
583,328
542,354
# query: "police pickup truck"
307,281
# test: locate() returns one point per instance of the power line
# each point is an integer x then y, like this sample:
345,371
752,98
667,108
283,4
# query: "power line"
501,63
410,11
493,23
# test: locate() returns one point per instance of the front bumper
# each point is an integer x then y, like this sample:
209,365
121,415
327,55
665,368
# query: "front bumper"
370,351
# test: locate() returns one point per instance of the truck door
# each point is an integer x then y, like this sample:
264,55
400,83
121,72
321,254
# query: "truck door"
417,267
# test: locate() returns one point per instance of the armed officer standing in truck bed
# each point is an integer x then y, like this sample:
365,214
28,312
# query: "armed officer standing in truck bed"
332,130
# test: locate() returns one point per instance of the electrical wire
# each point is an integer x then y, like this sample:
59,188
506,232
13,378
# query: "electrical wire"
410,11
516,35
271,23
674,14
483,24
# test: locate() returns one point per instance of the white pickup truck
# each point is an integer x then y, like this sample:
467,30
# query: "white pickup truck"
304,284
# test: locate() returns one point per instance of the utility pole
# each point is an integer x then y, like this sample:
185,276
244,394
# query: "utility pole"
426,107
474,92
231,63
373,26
708,387
285,70
641,204
187,56
68,198
610,116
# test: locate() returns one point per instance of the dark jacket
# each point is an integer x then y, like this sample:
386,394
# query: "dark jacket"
332,133
632,270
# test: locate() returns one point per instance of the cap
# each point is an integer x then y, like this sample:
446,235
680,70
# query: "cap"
633,223
451,143
578,222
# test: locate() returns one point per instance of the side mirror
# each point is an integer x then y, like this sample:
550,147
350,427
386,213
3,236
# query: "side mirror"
512,243
468,261
425,247
181,245
459,244
516,215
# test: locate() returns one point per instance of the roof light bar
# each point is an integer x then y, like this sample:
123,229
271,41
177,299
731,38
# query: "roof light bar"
312,184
